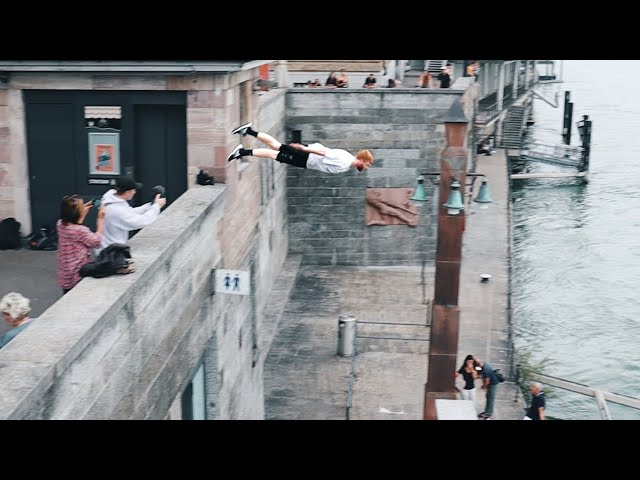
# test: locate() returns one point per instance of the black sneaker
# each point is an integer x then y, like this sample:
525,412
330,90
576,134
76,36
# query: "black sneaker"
235,154
242,130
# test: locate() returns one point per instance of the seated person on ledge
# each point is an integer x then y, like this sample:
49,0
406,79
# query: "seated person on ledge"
370,81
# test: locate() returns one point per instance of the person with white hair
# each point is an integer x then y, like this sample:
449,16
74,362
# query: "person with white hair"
15,310
538,402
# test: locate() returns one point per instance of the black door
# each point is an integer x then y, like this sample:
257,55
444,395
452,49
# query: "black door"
152,147
160,140
51,138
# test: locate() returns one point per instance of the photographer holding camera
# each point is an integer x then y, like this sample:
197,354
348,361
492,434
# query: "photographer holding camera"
121,218
75,240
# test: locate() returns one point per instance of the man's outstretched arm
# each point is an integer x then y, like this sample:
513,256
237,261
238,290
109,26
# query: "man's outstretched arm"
317,150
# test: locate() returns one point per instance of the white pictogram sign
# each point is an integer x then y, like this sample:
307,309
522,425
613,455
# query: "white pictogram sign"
232,281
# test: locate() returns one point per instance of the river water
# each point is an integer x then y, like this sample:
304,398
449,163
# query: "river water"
577,247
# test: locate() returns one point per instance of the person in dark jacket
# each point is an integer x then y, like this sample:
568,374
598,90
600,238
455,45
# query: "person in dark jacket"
490,384
538,402
445,76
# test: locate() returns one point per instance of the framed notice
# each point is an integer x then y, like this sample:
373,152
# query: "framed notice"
104,153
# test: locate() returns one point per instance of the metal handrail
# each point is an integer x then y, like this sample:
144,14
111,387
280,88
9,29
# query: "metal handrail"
600,396
352,375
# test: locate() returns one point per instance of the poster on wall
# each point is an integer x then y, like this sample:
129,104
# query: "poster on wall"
104,153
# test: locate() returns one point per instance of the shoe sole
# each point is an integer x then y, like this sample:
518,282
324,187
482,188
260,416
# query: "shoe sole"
240,128
234,155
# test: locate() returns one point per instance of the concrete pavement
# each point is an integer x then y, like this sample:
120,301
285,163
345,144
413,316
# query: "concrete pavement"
305,379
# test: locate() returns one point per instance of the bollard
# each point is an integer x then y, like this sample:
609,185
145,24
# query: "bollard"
346,335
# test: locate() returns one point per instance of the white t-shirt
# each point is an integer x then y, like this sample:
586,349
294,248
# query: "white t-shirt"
335,160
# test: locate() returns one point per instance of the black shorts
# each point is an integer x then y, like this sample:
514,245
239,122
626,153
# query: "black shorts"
292,156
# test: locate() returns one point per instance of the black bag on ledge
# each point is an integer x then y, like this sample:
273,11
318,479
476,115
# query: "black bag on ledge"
203,178
114,259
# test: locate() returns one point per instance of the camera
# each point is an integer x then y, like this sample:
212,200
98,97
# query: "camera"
96,203
158,189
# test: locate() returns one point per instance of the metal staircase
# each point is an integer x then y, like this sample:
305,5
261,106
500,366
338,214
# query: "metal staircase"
434,67
513,127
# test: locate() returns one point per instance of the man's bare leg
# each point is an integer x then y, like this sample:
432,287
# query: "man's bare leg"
269,140
240,151
265,138
246,129
265,153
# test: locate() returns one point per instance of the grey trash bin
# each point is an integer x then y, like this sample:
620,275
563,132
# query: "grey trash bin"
346,335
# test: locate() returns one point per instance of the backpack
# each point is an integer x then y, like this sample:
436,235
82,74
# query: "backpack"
113,259
499,375
44,239
203,178
10,234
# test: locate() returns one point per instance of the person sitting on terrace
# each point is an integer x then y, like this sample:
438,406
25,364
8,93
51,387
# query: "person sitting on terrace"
343,79
424,81
332,80
370,81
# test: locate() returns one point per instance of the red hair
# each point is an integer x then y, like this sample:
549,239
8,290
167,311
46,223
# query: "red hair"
365,156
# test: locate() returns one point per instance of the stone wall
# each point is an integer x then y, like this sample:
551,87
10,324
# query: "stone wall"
403,128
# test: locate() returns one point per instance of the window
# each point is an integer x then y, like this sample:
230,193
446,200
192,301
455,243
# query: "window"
194,397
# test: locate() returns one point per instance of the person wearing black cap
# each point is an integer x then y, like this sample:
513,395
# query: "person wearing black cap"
121,217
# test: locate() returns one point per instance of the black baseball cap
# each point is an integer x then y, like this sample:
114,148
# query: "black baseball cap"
124,184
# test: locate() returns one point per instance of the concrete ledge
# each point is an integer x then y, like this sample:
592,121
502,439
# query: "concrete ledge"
68,354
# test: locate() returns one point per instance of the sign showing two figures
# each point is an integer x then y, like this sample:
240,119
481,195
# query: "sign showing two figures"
232,281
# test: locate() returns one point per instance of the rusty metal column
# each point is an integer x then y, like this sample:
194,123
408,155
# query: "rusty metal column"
443,344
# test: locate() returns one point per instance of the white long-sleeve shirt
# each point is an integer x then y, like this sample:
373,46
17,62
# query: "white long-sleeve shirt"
120,218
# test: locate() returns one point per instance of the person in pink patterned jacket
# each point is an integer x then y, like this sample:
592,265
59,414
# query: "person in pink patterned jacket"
75,240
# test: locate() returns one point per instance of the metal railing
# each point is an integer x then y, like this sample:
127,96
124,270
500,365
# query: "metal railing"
352,376
352,373
601,397
559,154
488,106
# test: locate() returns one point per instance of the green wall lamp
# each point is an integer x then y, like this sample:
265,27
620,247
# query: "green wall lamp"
454,203
420,193
484,196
